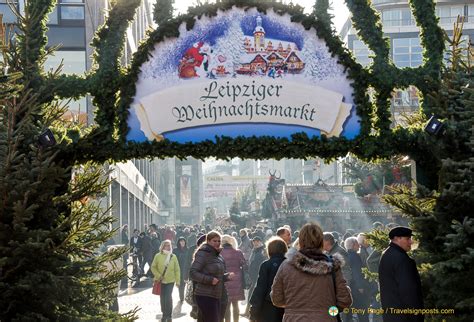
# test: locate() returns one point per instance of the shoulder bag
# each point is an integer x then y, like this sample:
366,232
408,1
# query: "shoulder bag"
189,295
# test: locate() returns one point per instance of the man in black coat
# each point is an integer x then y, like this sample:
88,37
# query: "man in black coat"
359,285
257,257
136,243
146,253
400,284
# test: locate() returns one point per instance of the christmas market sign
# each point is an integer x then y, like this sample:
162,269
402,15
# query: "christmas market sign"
242,73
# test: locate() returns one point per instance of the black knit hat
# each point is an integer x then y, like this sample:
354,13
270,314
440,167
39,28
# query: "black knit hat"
201,240
257,238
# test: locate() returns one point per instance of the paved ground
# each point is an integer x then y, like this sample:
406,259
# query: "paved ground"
149,304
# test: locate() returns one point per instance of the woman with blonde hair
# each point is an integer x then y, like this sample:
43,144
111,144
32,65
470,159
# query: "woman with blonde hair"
235,263
165,268
209,273
310,282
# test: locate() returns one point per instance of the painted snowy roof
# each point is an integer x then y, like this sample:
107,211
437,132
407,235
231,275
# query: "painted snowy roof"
294,53
247,58
276,54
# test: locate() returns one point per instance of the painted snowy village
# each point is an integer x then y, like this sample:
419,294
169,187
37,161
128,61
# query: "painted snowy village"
262,56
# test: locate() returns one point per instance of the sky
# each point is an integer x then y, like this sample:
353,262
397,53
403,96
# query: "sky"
340,10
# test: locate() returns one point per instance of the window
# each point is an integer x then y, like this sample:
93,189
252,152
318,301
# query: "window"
406,98
74,62
5,9
397,17
470,13
361,52
407,52
388,16
72,37
382,1
53,18
69,12
449,14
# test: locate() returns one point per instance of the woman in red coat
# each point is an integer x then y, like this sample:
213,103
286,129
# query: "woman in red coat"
234,262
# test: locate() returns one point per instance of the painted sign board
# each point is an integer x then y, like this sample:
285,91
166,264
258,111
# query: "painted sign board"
218,187
242,73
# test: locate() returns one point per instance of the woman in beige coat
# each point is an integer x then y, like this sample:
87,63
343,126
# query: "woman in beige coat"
304,283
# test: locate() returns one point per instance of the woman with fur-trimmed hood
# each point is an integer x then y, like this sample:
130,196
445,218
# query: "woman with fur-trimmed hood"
304,284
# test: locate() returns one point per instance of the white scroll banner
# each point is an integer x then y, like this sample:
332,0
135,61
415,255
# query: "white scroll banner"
216,102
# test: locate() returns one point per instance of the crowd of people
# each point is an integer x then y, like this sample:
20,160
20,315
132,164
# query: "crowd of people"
284,275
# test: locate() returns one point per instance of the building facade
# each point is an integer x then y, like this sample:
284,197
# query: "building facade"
141,191
156,184
406,51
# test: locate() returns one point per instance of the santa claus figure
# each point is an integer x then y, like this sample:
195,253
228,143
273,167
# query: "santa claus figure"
191,60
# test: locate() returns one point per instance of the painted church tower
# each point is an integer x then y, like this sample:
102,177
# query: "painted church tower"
259,35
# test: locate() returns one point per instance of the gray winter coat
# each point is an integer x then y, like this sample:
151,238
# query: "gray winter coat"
346,268
246,247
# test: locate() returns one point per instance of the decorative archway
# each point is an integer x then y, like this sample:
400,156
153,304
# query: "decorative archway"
159,76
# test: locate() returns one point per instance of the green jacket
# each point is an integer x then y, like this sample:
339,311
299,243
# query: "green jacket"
172,274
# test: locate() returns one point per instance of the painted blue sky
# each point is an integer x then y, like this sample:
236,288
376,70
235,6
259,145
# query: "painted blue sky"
273,29
209,34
